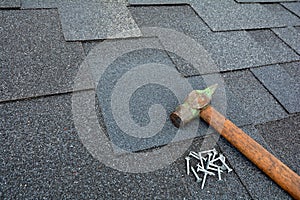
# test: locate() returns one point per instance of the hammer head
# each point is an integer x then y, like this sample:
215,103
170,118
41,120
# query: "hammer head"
193,103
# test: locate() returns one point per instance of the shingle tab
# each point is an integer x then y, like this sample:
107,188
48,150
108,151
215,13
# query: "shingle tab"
248,101
283,137
10,4
97,21
230,15
229,50
294,7
283,82
290,35
35,59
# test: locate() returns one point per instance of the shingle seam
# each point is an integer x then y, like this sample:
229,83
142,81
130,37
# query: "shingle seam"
252,29
278,36
277,2
235,70
277,100
290,10
44,96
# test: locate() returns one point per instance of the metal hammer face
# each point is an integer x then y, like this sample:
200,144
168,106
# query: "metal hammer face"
193,103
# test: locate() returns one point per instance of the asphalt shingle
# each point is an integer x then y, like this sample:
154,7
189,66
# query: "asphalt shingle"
35,59
157,2
230,15
283,82
289,35
294,7
96,21
29,4
248,101
43,157
152,90
256,182
10,4
229,50
50,148
283,137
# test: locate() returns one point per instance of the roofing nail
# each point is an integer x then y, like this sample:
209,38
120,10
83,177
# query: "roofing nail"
187,165
222,158
208,161
201,159
201,169
213,165
215,152
208,151
204,179
214,169
194,154
214,160
219,174
198,179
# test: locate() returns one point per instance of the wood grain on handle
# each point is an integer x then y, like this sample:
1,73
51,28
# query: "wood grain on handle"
269,164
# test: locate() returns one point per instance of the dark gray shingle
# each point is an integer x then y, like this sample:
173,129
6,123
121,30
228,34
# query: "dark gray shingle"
229,50
230,15
96,21
35,59
257,183
290,35
294,7
283,82
10,4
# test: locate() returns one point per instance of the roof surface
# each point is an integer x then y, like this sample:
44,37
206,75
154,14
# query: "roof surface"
87,87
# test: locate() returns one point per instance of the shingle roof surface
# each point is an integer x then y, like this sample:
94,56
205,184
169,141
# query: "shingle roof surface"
63,62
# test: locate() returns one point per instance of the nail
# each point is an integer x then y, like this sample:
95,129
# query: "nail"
196,175
201,161
187,165
203,182
214,169
208,161
204,170
222,158
208,151
215,152
219,174
194,154
213,165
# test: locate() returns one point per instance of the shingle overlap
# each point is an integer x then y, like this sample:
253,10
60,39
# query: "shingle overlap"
229,50
290,35
35,59
294,7
230,15
283,82
61,102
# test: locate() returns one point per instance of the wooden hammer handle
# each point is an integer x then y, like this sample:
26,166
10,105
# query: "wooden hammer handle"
264,160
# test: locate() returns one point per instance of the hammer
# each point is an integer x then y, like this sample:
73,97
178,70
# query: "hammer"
197,104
